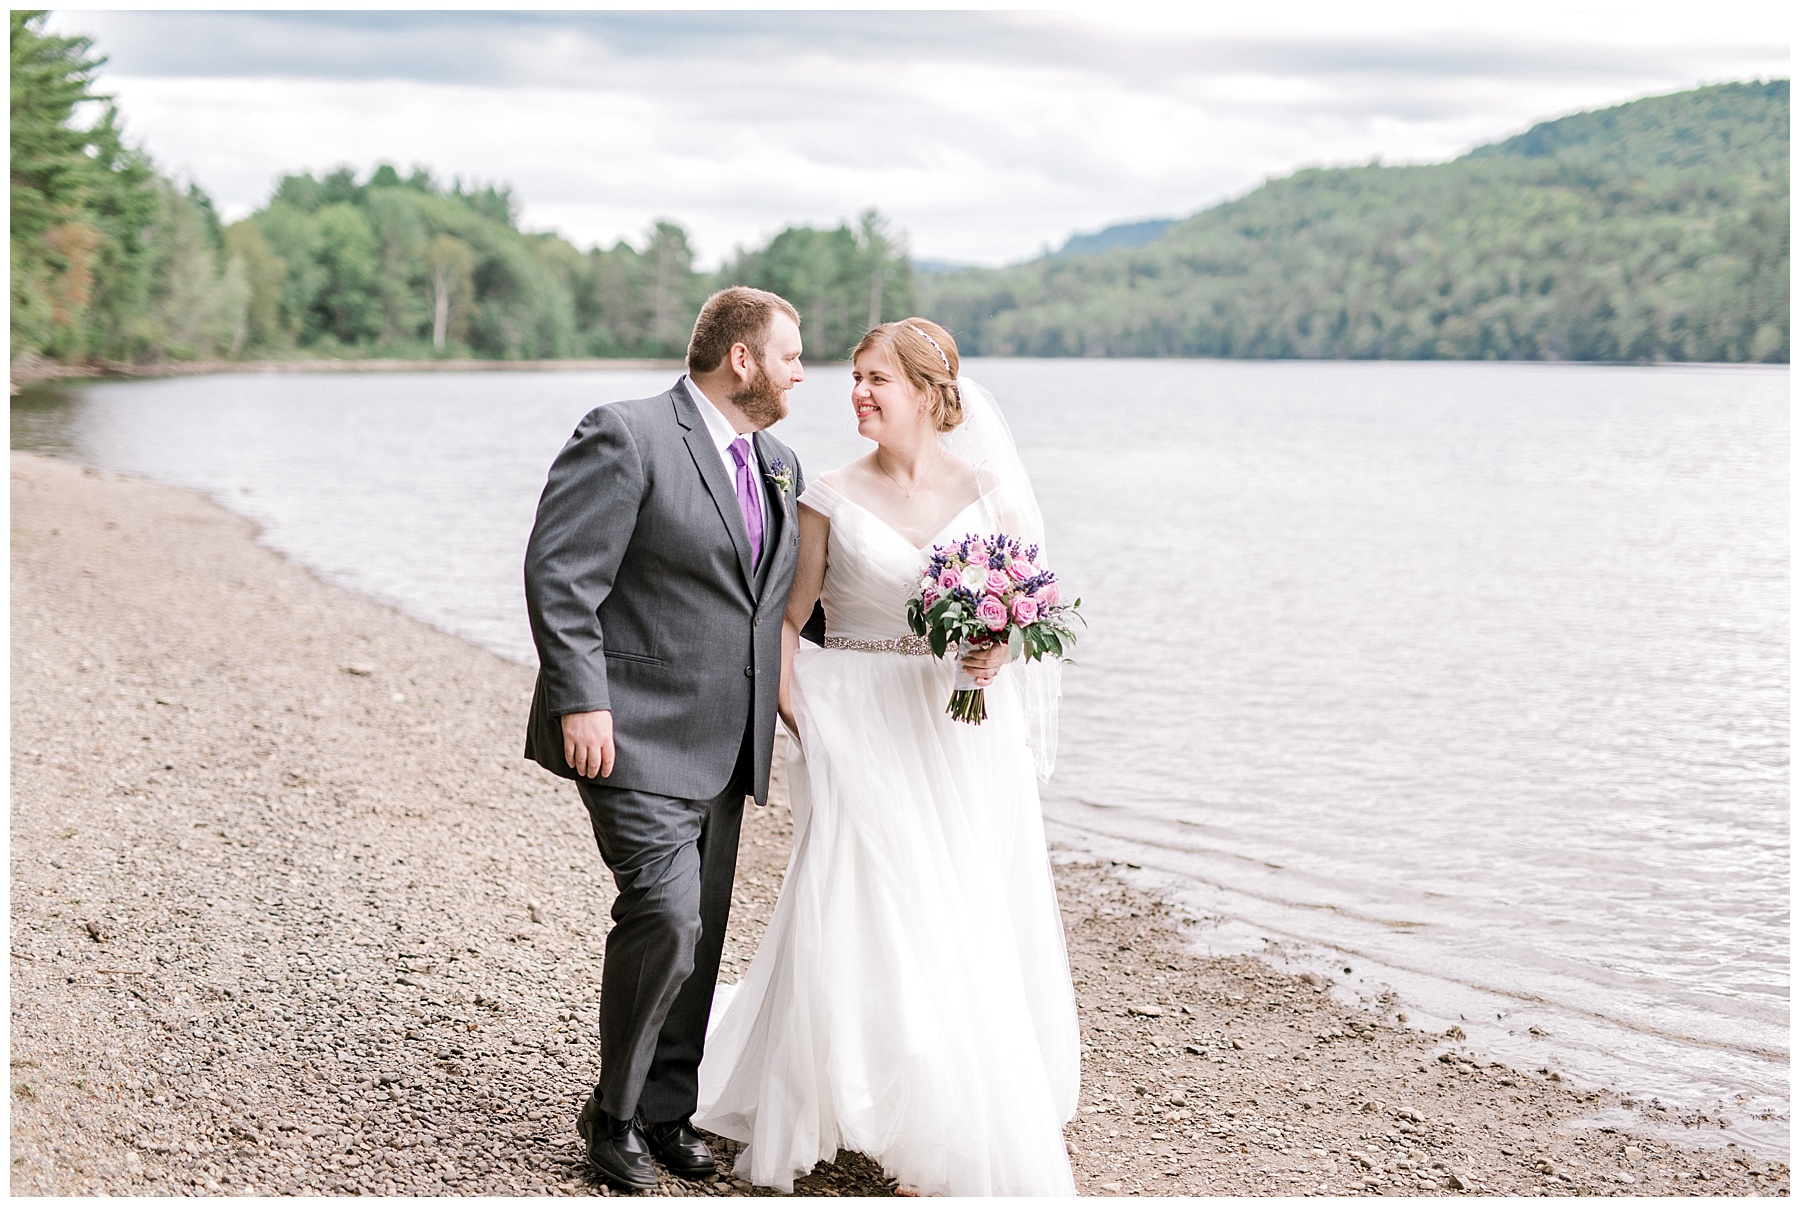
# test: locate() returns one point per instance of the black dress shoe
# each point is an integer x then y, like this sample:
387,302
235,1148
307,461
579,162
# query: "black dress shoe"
678,1146
615,1148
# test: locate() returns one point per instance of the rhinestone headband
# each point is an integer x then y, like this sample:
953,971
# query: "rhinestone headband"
933,343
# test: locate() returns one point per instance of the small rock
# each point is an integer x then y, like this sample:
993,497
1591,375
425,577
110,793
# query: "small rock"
1193,1050
1456,1033
1238,1044
98,931
1311,978
1145,1011
1455,1181
1112,1187
360,668
536,911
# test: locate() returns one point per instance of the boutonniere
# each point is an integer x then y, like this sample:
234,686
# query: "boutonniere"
781,476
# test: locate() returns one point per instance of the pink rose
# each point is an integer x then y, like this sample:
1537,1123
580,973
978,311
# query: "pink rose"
992,613
997,583
1024,610
1019,569
1048,594
930,595
949,580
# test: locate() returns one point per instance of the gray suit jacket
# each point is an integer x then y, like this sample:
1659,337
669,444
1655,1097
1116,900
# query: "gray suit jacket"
642,599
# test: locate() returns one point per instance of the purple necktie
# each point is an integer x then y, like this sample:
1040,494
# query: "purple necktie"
746,493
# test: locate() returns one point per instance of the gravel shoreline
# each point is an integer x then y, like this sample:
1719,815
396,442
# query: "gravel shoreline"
290,915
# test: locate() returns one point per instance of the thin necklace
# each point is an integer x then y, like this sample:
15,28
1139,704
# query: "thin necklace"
922,477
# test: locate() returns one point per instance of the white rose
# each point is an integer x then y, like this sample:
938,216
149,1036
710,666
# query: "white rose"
974,578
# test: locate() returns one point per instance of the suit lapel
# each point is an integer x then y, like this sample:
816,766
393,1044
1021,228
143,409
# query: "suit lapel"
712,474
775,513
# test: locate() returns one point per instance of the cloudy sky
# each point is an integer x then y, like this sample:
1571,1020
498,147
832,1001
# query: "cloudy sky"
985,134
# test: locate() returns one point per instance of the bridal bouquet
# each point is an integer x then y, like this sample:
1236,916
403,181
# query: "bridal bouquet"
989,590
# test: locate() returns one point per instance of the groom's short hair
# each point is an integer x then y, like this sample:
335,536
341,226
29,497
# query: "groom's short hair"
734,315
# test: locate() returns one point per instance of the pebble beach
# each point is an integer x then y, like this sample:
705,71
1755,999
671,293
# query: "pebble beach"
290,915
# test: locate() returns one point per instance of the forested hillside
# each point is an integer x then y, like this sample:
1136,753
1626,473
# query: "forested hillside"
109,260
1656,230
402,266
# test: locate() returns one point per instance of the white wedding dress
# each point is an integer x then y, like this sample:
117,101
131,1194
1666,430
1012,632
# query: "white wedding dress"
911,997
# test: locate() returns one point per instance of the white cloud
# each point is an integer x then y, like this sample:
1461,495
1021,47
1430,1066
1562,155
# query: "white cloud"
985,135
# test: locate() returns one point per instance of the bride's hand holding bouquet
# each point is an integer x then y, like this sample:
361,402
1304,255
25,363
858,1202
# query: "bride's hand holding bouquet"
987,592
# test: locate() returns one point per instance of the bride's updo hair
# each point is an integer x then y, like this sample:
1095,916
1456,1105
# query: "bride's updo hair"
926,353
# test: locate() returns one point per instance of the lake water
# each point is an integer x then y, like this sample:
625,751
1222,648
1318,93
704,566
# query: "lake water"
1472,679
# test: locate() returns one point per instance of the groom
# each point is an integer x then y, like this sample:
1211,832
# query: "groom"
656,579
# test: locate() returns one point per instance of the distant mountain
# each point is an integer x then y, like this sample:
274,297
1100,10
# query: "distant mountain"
1126,234
1654,230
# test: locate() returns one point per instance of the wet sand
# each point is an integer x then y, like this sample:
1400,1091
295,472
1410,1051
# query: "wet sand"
289,914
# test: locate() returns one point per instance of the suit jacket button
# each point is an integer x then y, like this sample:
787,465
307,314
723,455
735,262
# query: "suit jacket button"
750,672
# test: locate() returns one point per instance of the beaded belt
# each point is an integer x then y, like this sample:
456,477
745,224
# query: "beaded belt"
909,644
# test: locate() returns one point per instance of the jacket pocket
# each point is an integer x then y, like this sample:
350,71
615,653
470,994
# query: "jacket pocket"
641,659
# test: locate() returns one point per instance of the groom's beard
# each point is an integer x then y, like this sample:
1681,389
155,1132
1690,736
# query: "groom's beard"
760,401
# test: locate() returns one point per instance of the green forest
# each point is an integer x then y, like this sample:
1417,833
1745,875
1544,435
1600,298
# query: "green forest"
1656,230
114,263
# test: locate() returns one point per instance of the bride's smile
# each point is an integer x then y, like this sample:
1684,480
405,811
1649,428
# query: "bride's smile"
886,404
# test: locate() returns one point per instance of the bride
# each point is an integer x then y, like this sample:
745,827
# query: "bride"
911,997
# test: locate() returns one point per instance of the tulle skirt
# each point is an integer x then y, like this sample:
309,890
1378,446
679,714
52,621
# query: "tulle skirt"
911,998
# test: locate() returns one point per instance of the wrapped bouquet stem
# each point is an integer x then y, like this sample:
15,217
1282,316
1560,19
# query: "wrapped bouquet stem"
987,590
968,700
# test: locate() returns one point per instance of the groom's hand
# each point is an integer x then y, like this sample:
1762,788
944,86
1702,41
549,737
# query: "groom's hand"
588,743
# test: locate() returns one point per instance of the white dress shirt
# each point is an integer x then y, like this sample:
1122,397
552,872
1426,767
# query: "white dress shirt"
722,433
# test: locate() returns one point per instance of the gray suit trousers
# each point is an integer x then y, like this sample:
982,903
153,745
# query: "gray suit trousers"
673,861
